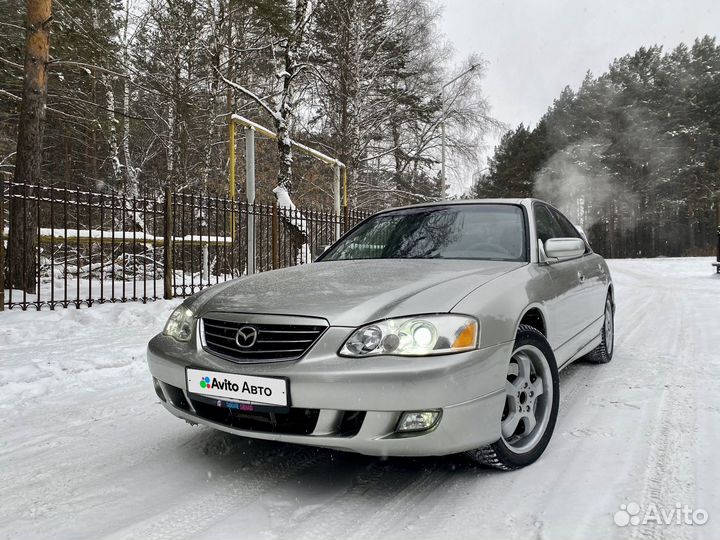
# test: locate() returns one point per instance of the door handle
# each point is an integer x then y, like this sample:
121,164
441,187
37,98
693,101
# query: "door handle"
581,277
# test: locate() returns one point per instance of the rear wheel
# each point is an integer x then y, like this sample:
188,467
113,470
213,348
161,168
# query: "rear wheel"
531,404
602,354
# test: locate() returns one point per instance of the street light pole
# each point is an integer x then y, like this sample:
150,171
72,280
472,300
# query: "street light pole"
442,128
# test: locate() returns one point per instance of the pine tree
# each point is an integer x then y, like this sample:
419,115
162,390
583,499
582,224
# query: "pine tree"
28,163
633,153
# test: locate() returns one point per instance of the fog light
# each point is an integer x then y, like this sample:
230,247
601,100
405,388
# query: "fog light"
418,420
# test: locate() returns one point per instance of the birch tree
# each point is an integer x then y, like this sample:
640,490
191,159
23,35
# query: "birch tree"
288,43
381,66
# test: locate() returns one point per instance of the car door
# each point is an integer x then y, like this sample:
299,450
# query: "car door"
592,270
568,313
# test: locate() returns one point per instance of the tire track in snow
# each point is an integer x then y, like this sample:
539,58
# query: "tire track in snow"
379,502
399,514
196,509
435,504
663,484
382,485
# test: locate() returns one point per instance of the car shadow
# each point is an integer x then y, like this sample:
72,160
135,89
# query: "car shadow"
229,455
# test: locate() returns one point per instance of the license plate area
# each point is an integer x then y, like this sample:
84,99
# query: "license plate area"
240,392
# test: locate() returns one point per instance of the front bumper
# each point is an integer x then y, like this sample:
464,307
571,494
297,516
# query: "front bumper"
467,387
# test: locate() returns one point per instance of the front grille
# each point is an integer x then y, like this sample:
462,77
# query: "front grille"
273,343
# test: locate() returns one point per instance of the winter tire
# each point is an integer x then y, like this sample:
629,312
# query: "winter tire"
602,354
531,404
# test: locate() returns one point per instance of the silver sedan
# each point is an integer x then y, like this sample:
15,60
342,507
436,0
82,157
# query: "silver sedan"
427,330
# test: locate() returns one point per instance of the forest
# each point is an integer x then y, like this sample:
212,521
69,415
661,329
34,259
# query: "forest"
139,95
633,155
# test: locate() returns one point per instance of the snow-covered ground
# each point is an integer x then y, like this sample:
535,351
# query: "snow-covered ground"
87,451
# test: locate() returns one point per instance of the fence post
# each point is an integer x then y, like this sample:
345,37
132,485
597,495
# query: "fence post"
336,200
275,226
345,198
168,258
250,193
2,244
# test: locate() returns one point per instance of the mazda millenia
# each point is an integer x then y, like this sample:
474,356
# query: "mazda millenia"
427,330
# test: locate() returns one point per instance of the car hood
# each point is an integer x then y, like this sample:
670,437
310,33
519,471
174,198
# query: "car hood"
351,293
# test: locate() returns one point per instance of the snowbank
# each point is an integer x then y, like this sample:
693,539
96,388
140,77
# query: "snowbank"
48,353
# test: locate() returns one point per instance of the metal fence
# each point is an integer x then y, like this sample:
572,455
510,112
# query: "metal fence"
91,247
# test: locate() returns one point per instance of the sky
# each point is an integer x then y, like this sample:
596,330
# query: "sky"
535,48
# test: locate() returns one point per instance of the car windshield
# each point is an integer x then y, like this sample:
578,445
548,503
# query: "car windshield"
461,231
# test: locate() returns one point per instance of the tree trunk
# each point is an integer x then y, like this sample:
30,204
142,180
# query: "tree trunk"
131,187
284,143
287,99
23,213
398,158
215,51
67,154
94,176
348,84
170,167
116,168
230,98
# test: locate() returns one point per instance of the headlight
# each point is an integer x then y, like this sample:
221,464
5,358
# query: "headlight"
414,336
180,324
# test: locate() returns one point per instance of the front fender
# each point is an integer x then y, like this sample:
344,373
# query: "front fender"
500,304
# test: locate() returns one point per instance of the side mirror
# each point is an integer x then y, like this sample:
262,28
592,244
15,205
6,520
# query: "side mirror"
564,248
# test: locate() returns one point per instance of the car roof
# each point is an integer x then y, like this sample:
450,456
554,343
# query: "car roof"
525,202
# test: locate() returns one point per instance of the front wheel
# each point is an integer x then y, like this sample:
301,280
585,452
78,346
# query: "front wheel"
531,404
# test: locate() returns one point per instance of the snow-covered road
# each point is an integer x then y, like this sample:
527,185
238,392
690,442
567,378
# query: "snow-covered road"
86,450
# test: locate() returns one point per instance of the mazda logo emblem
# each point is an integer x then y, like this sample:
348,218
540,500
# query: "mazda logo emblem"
246,337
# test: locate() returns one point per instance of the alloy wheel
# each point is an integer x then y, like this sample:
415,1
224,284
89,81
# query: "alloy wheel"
528,399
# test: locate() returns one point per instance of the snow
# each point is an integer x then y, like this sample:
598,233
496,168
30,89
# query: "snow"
88,452
66,350
294,217
203,238
126,236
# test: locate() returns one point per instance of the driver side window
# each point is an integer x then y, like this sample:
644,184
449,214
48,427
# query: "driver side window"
546,225
568,229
